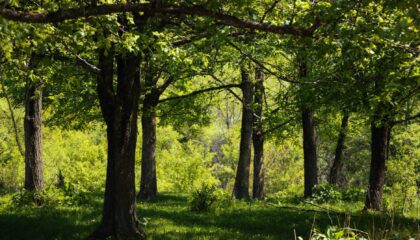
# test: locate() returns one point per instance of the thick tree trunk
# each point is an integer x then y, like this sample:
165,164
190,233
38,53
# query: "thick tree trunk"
337,164
241,187
379,155
120,110
258,138
33,137
309,152
148,182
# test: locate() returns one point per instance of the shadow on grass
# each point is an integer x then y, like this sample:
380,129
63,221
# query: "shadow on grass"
169,218
166,199
50,221
173,220
238,224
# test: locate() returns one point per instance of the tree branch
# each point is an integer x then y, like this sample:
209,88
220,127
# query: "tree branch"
284,78
269,10
87,65
106,9
411,118
229,90
166,84
199,37
278,126
12,116
78,60
200,92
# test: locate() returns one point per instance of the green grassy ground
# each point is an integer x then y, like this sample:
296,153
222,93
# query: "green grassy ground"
169,218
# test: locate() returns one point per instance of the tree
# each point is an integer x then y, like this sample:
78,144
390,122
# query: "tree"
309,151
310,163
335,170
25,67
33,133
148,182
119,109
258,137
379,65
380,134
241,188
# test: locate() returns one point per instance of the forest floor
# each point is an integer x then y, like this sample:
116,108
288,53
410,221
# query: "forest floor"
169,217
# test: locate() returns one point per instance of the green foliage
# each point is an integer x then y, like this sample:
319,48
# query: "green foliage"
68,195
353,194
280,199
203,198
24,197
182,166
326,193
170,218
363,58
80,157
335,233
11,161
403,170
331,194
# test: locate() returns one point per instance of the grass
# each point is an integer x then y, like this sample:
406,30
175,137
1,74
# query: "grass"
169,218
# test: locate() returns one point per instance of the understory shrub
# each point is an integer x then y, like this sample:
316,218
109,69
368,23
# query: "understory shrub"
182,166
335,233
353,194
68,195
329,194
203,198
326,193
24,197
2,188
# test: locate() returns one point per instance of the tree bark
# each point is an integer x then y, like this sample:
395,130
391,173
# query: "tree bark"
241,187
379,154
258,138
148,182
33,137
309,152
119,109
310,163
337,164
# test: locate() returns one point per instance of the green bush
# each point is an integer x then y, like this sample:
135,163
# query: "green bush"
182,167
68,195
24,197
403,171
203,198
224,199
326,194
335,233
353,194
2,188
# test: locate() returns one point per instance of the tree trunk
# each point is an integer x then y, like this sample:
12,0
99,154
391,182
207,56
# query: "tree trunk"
119,109
148,182
379,155
33,137
258,138
309,152
241,187
337,164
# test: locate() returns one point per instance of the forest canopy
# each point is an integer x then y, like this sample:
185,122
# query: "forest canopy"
290,106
